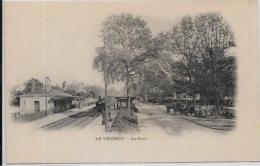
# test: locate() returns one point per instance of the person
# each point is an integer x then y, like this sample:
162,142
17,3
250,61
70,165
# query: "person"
99,104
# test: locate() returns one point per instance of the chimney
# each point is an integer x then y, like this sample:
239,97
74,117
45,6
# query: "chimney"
48,83
33,85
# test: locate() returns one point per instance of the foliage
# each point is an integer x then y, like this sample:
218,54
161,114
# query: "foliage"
29,86
127,45
80,89
201,47
32,84
15,93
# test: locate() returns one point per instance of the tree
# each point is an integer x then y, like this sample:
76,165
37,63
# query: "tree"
94,90
32,85
80,89
181,41
154,78
16,92
73,87
127,45
200,47
215,37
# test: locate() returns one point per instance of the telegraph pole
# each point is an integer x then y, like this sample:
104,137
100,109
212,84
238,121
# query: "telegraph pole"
45,95
105,78
46,79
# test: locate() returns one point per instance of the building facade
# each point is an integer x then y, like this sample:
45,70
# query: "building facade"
50,101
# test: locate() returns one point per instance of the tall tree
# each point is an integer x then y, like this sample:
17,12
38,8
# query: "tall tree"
127,44
215,37
200,46
182,42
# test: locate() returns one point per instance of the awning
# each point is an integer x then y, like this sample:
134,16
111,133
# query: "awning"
62,98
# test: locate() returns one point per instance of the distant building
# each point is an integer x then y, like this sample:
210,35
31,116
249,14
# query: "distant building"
77,100
185,96
50,101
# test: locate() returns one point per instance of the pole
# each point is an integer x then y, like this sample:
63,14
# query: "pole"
105,78
45,95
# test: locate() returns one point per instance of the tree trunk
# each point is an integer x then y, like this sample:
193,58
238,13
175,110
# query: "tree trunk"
221,99
217,98
207,97
191,89
145,94
217,103
128,91
106,113
204,100
128,88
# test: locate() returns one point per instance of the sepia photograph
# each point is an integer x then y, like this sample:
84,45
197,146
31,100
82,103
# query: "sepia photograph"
131,81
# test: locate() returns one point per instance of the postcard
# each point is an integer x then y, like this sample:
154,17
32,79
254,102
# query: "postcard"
131,81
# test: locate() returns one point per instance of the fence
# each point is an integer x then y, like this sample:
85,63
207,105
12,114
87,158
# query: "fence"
30,116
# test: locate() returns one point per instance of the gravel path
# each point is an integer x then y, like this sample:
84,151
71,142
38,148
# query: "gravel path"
154,116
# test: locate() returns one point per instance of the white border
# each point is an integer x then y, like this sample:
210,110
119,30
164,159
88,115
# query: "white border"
143,164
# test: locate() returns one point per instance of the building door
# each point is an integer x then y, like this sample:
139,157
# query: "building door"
36,106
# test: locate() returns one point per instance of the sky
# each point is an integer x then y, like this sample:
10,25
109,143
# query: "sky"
58,39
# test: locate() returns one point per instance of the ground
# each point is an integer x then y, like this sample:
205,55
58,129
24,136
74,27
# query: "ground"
150,117
78,120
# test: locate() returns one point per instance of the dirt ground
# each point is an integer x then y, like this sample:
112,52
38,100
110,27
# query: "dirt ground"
152,116
125,121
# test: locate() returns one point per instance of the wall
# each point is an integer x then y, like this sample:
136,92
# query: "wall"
27,104
62,105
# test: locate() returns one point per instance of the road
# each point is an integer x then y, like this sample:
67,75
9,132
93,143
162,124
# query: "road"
151,115
79,120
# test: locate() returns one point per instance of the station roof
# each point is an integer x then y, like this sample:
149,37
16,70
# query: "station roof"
48,93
